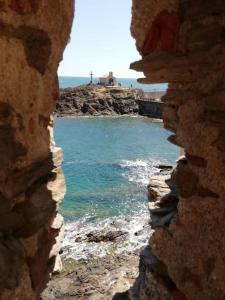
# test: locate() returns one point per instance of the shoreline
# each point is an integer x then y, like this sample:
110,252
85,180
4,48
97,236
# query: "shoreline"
68,116
118,235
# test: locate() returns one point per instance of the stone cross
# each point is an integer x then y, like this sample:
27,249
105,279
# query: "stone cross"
91,77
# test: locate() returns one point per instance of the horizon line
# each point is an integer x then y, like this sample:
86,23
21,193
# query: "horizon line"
60,75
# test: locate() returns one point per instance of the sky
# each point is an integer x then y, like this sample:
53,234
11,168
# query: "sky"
100,40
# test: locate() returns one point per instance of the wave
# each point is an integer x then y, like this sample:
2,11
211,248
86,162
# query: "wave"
136,228
132,218
139,171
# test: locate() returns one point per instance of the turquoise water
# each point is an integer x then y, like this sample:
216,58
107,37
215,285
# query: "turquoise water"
108,162
65,82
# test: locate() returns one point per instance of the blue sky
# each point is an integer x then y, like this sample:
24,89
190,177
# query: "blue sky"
100,40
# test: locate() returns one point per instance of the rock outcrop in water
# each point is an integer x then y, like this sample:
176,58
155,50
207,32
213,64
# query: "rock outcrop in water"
95,100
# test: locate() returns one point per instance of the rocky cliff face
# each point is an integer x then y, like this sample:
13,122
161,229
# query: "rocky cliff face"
97,100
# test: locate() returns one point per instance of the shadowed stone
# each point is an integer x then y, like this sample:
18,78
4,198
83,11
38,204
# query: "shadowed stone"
11,261
38,207
10,148
37,46
36,42
153,281
186,181
163,34
25,177
196,160
162,221
173,140
205,192
191,10
10,222
5,112
23,7
220,142
2,5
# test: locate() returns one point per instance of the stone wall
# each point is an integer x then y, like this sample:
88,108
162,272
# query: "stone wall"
33,35
182,43
152,109
154,95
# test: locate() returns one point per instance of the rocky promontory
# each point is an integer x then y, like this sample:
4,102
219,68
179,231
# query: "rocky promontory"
97,100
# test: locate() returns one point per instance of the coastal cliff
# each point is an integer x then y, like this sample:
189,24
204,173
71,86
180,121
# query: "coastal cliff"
94,100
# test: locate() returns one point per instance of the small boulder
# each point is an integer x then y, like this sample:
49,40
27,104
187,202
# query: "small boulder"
102,236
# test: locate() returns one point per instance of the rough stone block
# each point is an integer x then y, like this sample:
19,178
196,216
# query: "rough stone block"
23,7
163,34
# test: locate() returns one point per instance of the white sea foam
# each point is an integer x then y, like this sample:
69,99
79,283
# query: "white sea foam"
136,227
139,171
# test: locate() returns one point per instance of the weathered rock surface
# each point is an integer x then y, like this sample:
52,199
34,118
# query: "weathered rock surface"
103,278
96,100
153,281
182,43
163,199
31,181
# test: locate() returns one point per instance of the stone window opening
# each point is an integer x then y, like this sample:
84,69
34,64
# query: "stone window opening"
174,37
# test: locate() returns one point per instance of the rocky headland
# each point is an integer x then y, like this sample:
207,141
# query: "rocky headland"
96,100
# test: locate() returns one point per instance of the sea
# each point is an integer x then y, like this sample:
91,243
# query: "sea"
65,81
107,164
